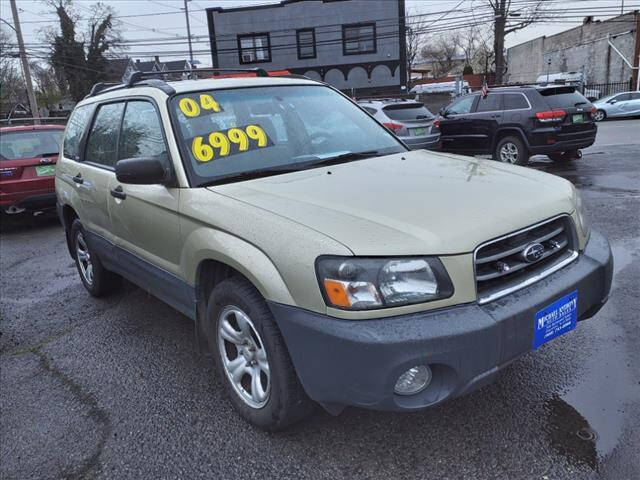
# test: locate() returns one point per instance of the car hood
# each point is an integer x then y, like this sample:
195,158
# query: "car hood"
413,203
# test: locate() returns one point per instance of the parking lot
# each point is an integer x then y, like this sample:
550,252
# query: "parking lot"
112,388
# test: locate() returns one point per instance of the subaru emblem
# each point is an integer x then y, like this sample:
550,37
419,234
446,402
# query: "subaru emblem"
533,252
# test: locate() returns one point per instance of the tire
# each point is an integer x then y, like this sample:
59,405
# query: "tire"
511,150
600,115
280,399
96,279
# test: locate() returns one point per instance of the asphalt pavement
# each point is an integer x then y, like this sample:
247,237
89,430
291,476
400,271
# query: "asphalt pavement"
112,389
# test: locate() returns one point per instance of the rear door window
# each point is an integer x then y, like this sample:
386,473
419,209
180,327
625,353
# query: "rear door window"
563,97
30,144
407,112
490,103
102,144
75,129
635,96
515,101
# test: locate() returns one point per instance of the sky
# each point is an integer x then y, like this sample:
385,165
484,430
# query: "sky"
171,24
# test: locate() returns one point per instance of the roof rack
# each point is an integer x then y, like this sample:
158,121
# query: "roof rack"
142,78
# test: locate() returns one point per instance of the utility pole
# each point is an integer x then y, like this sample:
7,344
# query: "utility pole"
25,64
186,14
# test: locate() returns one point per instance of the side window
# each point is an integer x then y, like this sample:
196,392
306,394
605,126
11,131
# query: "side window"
490,103
102,145
372,111
75,128
141,134
515,101
635,96
462,106
622,97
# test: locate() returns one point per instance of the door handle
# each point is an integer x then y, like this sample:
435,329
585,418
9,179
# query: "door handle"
78,179
118,193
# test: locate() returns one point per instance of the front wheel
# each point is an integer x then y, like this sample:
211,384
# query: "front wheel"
511,150
252,358
600,115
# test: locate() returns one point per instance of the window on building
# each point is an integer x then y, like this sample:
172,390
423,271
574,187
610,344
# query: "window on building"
515,101
359,39
306,43
102,145
254,48
141,134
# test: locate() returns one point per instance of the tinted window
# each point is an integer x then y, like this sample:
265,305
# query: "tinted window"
462,106
141,134
29,144
563,97
490,103
635,96
372,111
229,132
623,97
515,101
75,129
408,111
102,145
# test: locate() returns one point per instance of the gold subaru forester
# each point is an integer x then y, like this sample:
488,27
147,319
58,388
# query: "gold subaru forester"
320,259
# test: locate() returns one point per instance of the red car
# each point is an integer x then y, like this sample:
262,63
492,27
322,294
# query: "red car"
28,156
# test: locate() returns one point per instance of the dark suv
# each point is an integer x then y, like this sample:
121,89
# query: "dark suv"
513,123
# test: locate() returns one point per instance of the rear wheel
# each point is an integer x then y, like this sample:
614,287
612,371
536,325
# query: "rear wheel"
96,279
600,115
252,359
511,150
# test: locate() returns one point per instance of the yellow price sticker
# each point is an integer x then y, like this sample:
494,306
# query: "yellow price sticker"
229,142
205,103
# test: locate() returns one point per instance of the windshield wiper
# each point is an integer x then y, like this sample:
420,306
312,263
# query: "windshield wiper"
292,167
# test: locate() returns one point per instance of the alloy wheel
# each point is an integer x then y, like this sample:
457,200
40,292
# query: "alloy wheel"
599,116
84,259
244,357
509,153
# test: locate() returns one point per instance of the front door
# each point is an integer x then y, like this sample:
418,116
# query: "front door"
486,120
144,217
455,125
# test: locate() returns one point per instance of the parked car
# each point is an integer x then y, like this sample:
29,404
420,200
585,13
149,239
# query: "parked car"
626,104
513,123
28,157
410,120
328,264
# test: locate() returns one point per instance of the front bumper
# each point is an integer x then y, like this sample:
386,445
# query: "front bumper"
345,362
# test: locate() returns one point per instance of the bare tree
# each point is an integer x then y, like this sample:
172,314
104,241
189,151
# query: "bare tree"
442,53
524,14
12,89
414,38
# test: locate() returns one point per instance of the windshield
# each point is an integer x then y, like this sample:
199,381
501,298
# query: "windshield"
30,144
232,134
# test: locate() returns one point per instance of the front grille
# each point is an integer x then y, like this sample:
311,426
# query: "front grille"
524,257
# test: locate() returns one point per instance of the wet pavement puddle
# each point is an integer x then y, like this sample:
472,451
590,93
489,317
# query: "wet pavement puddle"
588,419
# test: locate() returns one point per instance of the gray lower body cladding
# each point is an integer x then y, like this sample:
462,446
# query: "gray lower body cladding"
347,362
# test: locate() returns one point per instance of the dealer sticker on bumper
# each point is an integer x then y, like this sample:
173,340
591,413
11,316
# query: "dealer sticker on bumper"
556,319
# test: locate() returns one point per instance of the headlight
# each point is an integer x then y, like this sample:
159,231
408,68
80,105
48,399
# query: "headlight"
582,216
364,283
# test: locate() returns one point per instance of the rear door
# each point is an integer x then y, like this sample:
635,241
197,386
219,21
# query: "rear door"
631,107
456,125
486,120
97,171
577,122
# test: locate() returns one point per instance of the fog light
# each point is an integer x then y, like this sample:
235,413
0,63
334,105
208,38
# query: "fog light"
413,380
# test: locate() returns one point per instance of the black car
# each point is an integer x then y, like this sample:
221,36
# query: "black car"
513,123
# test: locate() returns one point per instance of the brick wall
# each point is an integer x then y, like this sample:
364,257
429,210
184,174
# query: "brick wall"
585,45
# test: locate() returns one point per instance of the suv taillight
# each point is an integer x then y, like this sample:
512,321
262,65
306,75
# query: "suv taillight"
394,127
551,115
436,123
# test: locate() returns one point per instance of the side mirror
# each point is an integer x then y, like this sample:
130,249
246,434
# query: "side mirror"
443,112
613,101
141,171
